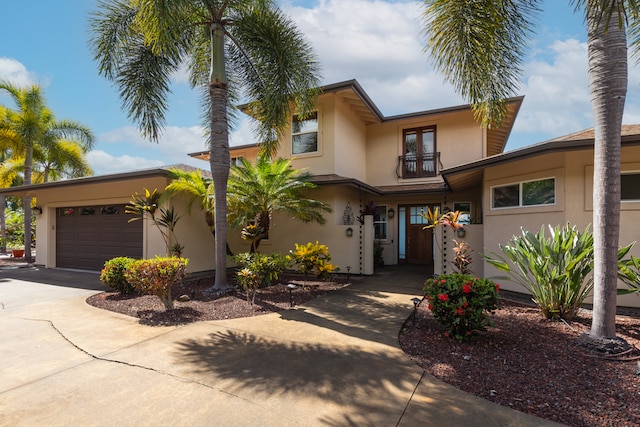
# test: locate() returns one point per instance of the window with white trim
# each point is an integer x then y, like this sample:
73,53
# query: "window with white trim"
539,192
304,134
380,223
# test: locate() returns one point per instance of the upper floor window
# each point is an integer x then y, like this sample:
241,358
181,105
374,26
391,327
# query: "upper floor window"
236,161
630,186
419,152
526,193
304,134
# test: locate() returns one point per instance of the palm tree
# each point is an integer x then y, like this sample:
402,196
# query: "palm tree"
61,160
33,125
479,46
257,191
232,48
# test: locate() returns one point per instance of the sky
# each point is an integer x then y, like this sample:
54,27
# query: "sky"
377,42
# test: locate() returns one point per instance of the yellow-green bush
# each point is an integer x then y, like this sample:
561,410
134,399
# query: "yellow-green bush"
156,276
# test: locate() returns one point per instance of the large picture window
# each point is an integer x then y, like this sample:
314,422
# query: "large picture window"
304,134
527,193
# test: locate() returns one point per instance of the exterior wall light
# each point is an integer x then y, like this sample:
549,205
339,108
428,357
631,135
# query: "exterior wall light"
391,213
37,210
461,232
349,232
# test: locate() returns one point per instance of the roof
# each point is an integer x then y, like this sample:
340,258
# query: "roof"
387,190
161,171
470,174
356,99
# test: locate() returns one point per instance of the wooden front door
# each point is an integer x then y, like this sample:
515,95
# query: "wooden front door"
416,244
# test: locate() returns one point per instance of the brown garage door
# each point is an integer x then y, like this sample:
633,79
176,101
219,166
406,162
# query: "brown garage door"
87,236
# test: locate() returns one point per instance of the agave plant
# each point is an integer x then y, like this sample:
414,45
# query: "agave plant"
555,270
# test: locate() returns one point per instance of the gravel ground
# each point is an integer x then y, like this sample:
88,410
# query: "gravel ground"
534,365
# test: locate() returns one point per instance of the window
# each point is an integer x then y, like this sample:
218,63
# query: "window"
236,161
630,186
380,223
465,211
304,134
419,147
527,193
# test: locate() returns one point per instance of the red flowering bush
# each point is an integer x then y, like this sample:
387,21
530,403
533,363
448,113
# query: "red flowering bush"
462,303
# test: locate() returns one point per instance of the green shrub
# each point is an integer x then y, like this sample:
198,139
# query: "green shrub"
461,303
555,270
156,276
258,269
112,275
313,258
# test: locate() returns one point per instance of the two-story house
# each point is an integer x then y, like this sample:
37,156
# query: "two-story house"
357,156
404,164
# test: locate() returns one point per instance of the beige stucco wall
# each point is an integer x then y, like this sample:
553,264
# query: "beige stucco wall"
285,231
574,186
459,139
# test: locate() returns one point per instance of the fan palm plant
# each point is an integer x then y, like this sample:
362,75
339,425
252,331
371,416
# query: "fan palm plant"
232,48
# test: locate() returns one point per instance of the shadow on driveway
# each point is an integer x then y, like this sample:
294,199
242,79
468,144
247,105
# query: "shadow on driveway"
54,276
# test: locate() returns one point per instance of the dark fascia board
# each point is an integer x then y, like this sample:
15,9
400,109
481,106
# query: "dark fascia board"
455,108
551,146
231,148
162,171
339,180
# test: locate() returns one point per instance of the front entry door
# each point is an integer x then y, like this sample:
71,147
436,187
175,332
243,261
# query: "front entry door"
416,244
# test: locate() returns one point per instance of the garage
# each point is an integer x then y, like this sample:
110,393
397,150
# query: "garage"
87,236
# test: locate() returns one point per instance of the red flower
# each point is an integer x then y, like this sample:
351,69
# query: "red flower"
443,297
430,307
468,332
466,289
442,281
446,334
460,311
465,304
497,286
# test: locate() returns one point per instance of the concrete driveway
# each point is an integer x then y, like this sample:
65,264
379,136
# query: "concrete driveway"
333,362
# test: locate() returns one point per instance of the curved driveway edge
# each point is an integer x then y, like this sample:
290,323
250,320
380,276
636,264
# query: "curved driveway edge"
332,362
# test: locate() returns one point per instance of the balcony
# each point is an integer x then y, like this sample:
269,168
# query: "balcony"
413,166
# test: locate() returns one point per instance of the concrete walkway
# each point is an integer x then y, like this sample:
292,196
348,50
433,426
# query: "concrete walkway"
333,362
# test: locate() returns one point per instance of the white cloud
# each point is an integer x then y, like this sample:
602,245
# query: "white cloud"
104,163
15,72
379,44
174,144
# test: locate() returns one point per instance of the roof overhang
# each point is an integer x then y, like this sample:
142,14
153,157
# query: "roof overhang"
30,190
471,174
387,190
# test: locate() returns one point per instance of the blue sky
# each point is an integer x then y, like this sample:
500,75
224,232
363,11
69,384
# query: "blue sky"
376,42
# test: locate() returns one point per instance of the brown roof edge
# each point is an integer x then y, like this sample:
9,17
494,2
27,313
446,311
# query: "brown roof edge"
340,180
550,146
143,173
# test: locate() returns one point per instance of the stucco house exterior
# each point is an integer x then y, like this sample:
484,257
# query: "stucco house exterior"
405,163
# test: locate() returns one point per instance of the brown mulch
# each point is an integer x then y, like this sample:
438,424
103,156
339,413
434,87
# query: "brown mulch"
534,365
201,305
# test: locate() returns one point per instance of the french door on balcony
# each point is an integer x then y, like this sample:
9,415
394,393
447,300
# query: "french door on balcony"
419,148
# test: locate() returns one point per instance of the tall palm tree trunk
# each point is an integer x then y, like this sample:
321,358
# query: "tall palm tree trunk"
608,86
219,151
